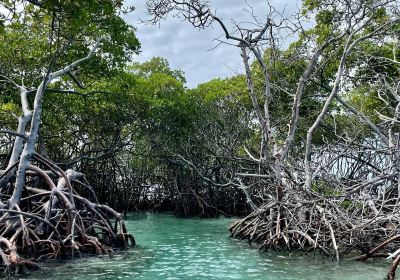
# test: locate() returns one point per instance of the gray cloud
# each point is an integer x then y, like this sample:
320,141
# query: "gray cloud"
192,50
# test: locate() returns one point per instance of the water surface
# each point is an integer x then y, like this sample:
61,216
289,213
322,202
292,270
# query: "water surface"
170,248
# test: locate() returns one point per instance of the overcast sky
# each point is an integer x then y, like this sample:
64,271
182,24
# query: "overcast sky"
192,50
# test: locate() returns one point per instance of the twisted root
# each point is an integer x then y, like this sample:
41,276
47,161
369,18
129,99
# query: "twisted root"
57,217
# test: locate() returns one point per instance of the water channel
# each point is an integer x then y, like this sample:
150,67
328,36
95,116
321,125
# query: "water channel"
171,248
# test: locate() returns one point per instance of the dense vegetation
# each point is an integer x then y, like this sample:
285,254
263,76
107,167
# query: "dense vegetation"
304,144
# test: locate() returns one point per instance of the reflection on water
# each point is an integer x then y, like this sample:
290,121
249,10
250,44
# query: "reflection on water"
171,249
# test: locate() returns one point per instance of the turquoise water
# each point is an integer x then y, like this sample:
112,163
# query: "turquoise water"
170,248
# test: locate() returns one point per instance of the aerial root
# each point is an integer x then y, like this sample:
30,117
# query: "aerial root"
322,225
55,218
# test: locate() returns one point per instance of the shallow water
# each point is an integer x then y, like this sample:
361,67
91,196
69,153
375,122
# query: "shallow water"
170,248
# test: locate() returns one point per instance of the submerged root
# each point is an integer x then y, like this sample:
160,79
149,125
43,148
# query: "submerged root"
57,216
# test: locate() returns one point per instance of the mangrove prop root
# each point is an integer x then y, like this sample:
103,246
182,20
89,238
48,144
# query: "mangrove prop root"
310,223
55,218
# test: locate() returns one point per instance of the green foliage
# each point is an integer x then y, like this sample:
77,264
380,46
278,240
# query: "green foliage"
156,66
62,32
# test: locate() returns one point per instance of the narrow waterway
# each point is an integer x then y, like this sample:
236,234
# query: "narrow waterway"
170,248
